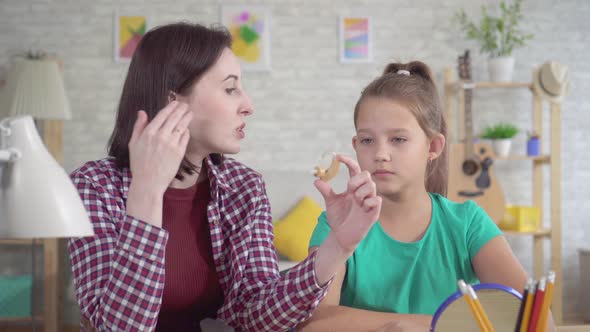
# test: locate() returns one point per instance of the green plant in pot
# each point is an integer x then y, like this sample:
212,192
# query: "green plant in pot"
497,36
501,135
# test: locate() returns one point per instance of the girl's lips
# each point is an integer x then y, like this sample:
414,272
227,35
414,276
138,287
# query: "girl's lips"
383,173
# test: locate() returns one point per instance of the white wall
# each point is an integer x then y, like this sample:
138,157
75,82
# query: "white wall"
304,105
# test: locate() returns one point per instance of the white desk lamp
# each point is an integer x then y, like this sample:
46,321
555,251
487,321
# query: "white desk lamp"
37,198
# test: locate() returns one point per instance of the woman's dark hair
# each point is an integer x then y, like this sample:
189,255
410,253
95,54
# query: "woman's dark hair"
412,85
169,58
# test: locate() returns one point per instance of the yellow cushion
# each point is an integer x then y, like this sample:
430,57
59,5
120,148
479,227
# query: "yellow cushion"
292,233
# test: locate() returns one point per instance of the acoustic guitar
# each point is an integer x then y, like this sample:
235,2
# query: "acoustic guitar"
471,173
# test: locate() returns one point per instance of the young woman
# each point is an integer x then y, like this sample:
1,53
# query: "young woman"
411,259
182,232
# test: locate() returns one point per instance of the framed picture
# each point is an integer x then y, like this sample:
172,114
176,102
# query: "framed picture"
356,39
128,32
250,30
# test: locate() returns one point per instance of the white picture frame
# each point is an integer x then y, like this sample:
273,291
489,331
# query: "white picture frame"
355,39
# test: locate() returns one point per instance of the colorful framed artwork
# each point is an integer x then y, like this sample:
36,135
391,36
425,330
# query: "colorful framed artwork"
250,29
356,39
129,29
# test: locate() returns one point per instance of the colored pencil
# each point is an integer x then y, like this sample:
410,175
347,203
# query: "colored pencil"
534,321
474,310
528,308
529,284
479,307
544,315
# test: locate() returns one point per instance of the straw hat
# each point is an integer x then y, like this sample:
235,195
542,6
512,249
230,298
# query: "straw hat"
551,81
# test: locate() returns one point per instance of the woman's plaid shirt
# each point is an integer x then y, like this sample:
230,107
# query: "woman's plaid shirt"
119,273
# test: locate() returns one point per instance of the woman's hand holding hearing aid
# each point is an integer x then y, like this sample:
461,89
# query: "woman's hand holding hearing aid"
351,215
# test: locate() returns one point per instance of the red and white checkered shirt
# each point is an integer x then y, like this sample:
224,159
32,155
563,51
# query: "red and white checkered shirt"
119,273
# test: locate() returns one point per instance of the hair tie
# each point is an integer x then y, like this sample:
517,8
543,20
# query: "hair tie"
403,72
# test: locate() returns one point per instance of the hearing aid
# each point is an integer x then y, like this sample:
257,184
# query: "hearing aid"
327,174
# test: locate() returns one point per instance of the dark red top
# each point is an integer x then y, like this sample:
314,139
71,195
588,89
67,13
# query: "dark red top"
191,289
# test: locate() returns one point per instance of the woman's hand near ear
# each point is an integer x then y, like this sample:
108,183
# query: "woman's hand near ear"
156,149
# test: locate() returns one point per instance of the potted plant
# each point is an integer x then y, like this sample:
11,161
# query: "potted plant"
498,36
501,136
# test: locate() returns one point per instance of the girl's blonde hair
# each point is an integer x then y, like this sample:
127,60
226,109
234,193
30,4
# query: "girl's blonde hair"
411,85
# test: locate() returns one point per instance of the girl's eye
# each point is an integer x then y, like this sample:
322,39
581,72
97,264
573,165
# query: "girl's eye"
366,140
230,90
398,140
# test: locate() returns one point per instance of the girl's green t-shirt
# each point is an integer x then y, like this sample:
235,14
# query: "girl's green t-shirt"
414,278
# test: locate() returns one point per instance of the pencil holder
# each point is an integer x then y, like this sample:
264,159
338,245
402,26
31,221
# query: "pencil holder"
501,304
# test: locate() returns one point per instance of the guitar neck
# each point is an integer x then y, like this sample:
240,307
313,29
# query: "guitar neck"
468,86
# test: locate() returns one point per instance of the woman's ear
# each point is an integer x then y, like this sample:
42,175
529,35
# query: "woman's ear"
437,146
171,96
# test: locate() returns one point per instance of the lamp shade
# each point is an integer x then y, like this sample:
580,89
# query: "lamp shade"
37,197
35,87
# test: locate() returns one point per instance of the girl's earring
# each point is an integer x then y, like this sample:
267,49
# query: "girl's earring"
429,169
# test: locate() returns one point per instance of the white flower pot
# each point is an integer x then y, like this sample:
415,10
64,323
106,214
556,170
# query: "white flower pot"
501,68
502,147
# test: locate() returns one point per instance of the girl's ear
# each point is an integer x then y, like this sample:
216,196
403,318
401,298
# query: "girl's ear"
354,142
437,146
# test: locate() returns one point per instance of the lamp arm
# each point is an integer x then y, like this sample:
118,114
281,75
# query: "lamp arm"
7,154
4,128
